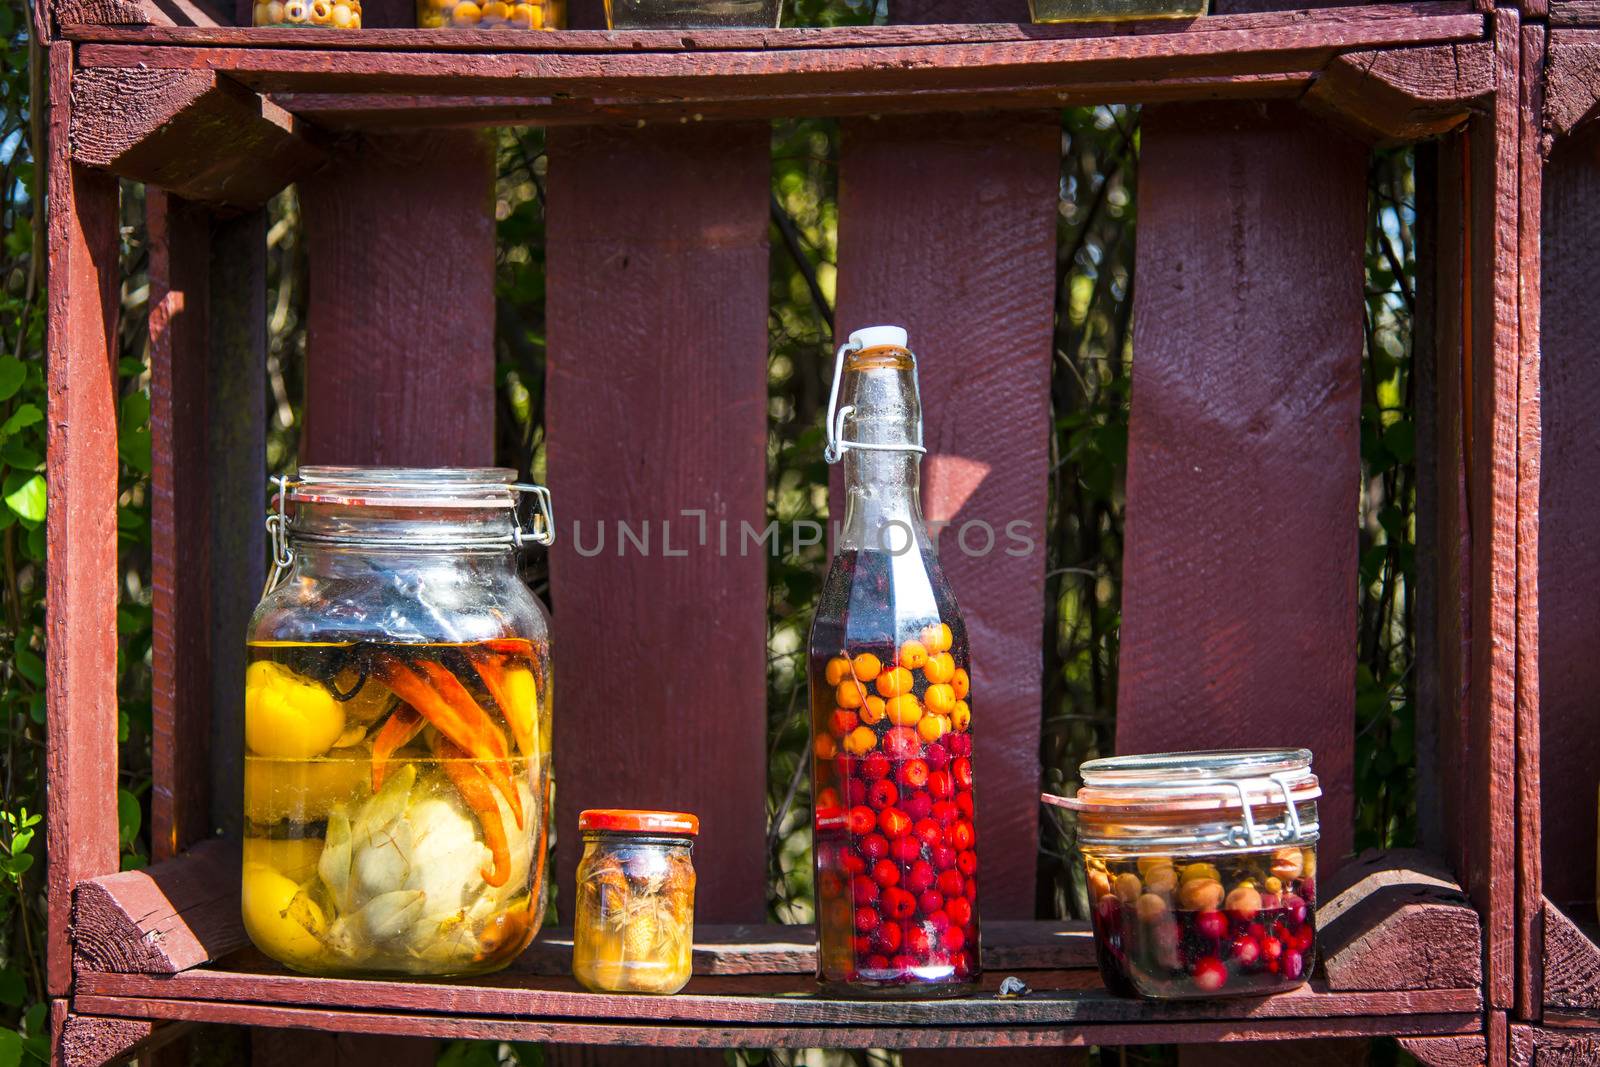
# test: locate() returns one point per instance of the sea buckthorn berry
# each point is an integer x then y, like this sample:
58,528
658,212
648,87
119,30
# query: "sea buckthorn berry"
959,744
1099,883
961,835
882,795
886,873
888,938
941,785
1191,871
901,742
941,699
857,790
1210,975
850,861
929,832
904,710
961,716
866,666
536,16
1150,907
893,682
1147,864
849,694
961,770
938,757
943,857
967,863
937,637
827,798
873,846
1161,880
876,765
918,944
941,667
898,904
894,822
1199,894
1288,864
905,849
876,962
1211,924
931,901
837,670
860,741
1127,887
961,683
522,16
826,747
863,820
1273,885
913,774
842,722
864,890
867,920
960,909
951,884
873,710
932,727
466,13
964,802
343,17
496,11
920,876
1243,903
954,939
913,655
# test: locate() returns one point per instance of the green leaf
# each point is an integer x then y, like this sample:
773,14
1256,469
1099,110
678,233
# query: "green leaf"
28,663
21,419
13,990
10,1048
129,817
13,372
28,499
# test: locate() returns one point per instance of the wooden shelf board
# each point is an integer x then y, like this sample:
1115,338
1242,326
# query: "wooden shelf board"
1571,960
395,76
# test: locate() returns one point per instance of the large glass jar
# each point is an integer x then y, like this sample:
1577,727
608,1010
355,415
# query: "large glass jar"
317,14
492,14
634,927
397,726
1202,870
896,863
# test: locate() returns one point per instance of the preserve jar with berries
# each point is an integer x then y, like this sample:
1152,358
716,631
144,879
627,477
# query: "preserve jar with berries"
317,14
896,858
492,14
633,931
397,726
1202,870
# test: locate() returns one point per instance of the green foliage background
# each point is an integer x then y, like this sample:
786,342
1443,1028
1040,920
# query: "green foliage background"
1089,392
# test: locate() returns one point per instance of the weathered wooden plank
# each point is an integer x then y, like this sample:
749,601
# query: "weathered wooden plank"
978,301
192,132
581,38
1074,997
1461,1051
164,919
400,324
1406,94
657,408
1544,1046
81,576
1397,920
1530,164
93,1040
1572,79
272,1047
1571,959
202,15
1574,13
1206,663
1317,1052
891,71
208,354
1561,708
769,1037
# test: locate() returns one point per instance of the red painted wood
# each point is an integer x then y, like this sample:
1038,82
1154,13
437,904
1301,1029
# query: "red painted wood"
1568,622
978,300
1243,443
758,1036
317,1048
1318,1052
180,551
82,576
1530,163
656,303
208,354
400,322
1570,962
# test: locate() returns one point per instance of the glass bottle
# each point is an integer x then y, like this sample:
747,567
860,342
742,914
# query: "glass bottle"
896,866
397,726
633,931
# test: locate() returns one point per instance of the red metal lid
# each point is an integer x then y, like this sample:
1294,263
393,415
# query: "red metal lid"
630,820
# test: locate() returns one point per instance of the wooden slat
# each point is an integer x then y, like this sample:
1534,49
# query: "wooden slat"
1544,1046
1318,1052
1530,167
1463,1051
583,37
93,1040
197,14
82,575
272,1047
167,128
208,342
1570,961
1562,706
656,298
400,318
977,299
1243,445
1572,91
1407,94
757,1036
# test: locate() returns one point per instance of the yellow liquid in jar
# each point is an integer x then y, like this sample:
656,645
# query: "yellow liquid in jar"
390,835
634,927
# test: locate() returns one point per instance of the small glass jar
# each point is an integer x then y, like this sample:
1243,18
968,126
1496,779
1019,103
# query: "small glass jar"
693,14
397,726
634,927
316,14
492,14
1050,11
1202,870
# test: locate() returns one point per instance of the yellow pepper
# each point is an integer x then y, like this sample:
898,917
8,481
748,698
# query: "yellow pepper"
284,922
287,716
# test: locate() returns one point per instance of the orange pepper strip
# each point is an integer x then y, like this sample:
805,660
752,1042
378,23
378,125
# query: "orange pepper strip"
490,744
399,730
474,789
491,670
457,716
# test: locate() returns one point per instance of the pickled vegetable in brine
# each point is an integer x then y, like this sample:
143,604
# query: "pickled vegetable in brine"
395,799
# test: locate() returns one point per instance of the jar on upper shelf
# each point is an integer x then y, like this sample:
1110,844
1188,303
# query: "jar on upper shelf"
1113,10
891,700
318,14
492,14
693,14
397,726
1202,870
